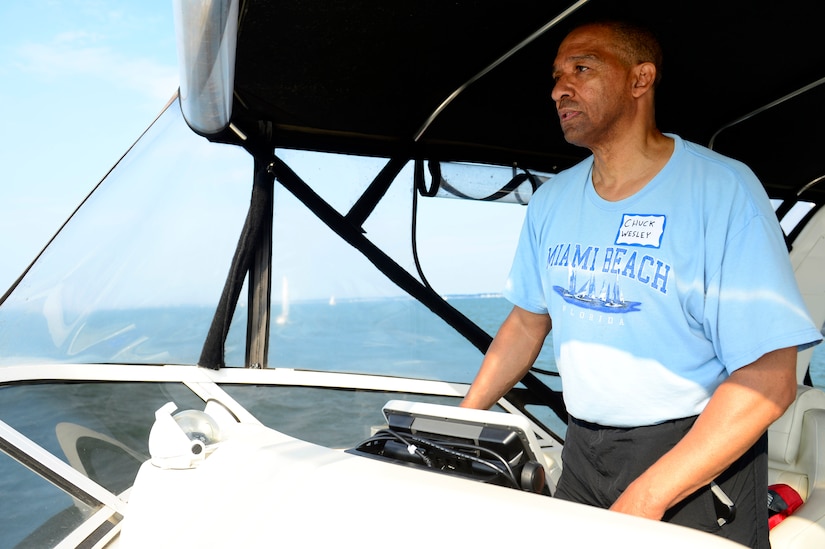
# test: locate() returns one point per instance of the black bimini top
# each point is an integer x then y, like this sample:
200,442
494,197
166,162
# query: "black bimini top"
366,77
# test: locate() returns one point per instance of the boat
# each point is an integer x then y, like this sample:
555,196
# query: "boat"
381,153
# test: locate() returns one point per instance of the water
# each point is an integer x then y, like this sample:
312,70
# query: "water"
396,337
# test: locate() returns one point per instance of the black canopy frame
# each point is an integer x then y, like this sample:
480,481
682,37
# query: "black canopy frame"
364,77
437,80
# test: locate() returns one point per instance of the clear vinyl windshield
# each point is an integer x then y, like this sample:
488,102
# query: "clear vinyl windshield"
136,274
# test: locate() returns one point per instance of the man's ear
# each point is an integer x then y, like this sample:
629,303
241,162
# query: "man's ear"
644,74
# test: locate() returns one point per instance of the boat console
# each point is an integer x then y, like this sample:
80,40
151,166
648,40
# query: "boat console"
491,447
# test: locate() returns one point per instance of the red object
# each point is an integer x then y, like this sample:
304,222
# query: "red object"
782,502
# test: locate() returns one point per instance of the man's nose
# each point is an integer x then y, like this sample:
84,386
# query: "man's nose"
560,89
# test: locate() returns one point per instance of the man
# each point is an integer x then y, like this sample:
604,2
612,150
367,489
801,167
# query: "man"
676,317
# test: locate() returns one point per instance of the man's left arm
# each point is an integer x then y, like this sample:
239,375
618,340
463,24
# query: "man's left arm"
740,410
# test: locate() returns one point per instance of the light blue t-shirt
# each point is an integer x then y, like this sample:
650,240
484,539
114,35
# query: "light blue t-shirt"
657,298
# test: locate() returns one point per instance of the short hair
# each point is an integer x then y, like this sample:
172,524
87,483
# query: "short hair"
636,43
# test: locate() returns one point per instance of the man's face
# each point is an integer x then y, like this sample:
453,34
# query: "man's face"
592,89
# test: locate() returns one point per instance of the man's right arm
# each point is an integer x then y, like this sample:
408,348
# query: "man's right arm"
511,354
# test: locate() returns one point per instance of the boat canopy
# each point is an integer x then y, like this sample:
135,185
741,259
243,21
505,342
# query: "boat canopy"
471,80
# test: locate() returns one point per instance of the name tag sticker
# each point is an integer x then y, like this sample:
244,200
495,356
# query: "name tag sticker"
641,230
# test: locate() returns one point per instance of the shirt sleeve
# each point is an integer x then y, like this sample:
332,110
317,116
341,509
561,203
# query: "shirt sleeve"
524,287
753,304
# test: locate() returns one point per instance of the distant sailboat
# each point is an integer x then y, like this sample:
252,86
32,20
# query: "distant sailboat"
283,317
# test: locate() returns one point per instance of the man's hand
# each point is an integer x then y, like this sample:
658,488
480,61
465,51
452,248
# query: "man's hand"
636,500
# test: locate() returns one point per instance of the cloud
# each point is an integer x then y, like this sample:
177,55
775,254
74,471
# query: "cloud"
78,55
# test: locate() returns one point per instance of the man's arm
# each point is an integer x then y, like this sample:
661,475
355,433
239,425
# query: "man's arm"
740,410
512,352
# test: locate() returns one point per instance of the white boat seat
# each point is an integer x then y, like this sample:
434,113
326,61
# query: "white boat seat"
796,457
808,260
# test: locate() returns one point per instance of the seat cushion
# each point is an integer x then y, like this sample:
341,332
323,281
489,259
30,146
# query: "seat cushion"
797,481
786,432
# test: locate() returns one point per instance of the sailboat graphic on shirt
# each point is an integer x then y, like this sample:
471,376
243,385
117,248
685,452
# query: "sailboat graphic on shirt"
608,298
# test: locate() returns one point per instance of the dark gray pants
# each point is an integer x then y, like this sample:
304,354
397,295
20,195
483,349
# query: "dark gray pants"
600,462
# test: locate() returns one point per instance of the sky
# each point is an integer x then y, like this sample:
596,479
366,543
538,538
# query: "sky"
80,80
